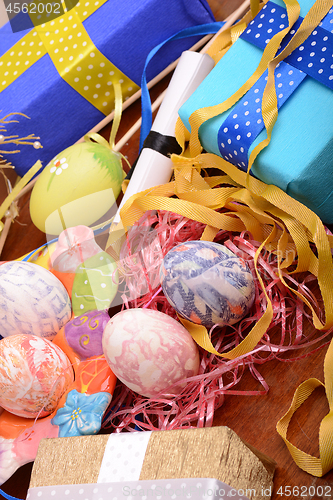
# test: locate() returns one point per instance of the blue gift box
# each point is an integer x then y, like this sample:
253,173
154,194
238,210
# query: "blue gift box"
124,31
299,158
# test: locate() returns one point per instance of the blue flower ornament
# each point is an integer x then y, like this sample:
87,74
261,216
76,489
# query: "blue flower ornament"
82,413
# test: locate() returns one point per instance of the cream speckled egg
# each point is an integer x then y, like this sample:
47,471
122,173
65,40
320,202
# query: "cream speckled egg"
32,301
34,374
149,351
77,187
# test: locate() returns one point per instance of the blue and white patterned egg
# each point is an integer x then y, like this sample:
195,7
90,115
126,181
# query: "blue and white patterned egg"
207,283
32,301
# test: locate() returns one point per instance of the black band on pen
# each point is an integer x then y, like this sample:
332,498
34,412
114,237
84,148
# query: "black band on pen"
166,145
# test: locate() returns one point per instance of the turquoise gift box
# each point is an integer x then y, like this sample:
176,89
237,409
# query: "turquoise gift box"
299,158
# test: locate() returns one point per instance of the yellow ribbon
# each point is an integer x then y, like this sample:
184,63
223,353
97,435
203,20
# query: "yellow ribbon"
268,61
255,7
227,37
284,225
216,51
203,114
313,465
118,107
30,49
261,199
74,55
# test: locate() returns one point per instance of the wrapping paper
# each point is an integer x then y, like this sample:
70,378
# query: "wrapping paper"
163,489
298,158
215,452
124,32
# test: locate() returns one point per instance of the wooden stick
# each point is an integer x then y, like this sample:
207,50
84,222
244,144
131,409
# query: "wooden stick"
27,188
228,23
126,137
5,232
150,84
206,41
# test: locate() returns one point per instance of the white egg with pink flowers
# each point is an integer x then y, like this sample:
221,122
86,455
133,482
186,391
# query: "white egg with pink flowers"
150,352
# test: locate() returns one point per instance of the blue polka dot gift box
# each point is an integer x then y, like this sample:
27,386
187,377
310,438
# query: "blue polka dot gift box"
60,73
299,158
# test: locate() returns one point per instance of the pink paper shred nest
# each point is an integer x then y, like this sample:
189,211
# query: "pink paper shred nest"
286,338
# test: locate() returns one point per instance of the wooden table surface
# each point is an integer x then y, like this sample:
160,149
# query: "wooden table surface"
253,418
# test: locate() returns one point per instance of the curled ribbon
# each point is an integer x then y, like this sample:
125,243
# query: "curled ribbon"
285,226
268,61
227,37
234,201
282,224
313,465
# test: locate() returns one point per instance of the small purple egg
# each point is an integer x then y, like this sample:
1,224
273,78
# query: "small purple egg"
84,333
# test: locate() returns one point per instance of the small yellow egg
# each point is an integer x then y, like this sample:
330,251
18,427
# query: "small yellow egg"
76,188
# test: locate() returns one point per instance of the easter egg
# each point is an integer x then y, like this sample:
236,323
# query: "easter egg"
207,283
34,374
84,333
32,301
74,246
149,351
95,284
77,187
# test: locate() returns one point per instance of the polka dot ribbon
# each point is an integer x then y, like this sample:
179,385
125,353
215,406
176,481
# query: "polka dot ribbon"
163,489
74,55
313,58
30,48
274,52
245,122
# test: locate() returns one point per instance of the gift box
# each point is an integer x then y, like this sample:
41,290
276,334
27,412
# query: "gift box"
299,157
215,452
92,45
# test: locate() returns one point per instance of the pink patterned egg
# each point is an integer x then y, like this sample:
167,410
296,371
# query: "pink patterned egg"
150,352
34,374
